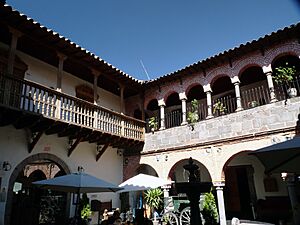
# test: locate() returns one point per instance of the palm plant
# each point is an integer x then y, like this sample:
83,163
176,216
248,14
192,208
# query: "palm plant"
154,198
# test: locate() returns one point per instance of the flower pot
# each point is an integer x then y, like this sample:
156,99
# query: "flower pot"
292,92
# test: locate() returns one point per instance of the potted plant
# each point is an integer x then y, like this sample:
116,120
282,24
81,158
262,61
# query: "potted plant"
252,104
192,116
219,107
153,124
284,75
154,198
86,211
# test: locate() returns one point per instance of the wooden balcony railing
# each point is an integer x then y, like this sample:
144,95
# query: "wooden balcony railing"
35,98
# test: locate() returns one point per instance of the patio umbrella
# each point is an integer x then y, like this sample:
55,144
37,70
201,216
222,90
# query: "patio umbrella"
77,183
142,182
280,157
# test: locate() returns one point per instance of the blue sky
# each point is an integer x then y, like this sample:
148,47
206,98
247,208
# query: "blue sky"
166,35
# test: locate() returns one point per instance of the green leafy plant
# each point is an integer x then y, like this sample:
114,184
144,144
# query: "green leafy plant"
210,211
253,104
219,107
192,116
284,74
153,124
85,207
154,198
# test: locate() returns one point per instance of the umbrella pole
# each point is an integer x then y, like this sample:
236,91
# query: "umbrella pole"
77,215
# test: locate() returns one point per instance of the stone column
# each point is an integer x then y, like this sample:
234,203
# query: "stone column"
183,99
236,81
268,71
166,196
221,206
208,91
12,51
61,59
162,104
96,74
122,88
291,188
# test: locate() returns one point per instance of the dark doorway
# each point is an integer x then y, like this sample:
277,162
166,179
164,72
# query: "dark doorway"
237,192
34,206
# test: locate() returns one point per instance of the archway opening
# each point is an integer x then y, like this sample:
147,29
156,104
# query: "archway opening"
281,89
137,114
173,111
152,111
197,92
27,204
223,98
246,194
254,87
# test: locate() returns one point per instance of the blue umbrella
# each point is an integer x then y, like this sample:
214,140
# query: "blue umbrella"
77,183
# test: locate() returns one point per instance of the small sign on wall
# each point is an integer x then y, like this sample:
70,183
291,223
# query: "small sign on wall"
47,148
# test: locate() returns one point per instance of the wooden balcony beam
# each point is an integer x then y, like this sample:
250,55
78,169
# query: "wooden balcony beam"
74,145
70,130
34,141
101,151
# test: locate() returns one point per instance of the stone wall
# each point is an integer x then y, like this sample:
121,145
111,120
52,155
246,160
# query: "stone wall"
267,119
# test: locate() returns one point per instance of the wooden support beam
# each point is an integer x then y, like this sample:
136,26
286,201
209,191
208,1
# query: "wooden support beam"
101,151
74,145
35,139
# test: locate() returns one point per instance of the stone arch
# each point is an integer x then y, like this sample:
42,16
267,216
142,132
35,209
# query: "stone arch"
18,169
247,66
168,94
283,54
203,171
187,90
215,78
147,101
146,169
243,174
291,47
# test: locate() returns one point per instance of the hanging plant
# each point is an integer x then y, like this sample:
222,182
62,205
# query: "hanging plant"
219,107
153,124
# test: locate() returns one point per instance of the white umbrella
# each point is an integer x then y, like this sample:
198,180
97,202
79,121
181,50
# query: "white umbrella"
142,182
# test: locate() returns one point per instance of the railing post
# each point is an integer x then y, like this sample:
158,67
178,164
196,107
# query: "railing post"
236,81
268,71
208,91
58,107
122,127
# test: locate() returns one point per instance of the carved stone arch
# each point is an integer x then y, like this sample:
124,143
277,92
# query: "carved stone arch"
148,101
191,79
282,55
167,94
8,207
191,86
247,66
217,77
291,47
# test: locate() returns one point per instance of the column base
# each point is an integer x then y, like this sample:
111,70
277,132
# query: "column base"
273,100
209,117
239,109
184,123
162,128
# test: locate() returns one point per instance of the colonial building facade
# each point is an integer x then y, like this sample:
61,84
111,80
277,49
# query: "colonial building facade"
62,107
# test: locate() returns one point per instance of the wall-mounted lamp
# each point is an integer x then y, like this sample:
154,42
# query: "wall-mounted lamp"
157,158
80,169
6,166
119,152
166,157
98,148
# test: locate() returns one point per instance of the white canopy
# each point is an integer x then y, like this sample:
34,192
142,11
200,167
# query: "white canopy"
142,182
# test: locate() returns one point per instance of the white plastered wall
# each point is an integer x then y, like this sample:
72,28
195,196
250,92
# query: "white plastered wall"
45,74
13,148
